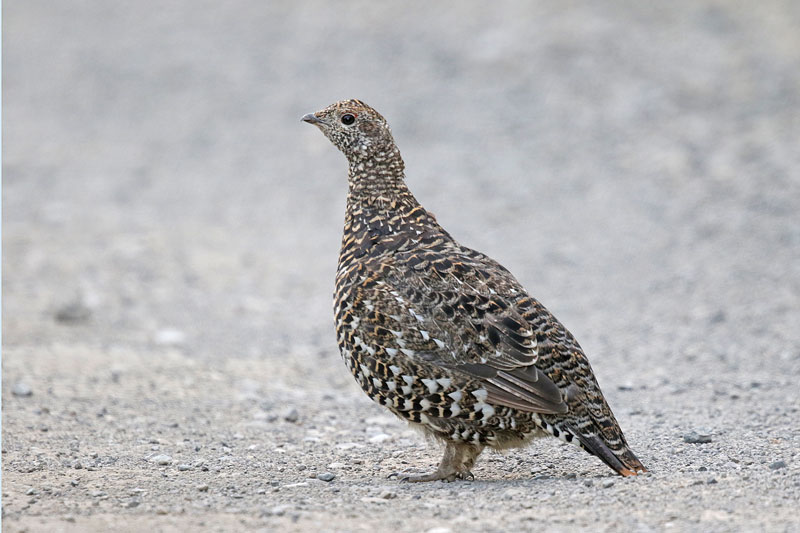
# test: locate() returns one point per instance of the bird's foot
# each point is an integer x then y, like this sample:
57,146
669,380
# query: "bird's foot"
456,464
437,475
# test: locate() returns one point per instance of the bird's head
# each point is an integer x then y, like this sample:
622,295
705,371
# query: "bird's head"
355,128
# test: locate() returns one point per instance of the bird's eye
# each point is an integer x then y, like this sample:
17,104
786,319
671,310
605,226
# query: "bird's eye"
348,119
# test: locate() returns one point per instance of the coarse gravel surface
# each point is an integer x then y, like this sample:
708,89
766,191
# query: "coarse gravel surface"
171,231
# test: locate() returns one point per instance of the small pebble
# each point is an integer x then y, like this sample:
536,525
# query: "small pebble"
291,415
388,495
77,465
608,483
202,488
30,492
184,467
161,459
73,313
372,499
169,337
278,510
379,438
777,465
697,437
326,476
588,483
717,317
21,389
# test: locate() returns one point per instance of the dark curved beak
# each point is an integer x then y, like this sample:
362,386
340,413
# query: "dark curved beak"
311,118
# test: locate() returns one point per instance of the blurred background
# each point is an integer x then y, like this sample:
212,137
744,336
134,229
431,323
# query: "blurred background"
171,232
635,165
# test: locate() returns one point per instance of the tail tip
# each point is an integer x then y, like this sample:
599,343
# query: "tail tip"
627,472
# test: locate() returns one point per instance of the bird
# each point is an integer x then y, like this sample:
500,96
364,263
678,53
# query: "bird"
444,336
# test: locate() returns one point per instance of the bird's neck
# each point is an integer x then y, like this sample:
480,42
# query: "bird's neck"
377,185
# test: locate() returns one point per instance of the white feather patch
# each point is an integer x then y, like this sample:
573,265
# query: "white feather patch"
431,384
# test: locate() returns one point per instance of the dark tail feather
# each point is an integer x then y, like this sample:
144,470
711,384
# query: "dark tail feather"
625,463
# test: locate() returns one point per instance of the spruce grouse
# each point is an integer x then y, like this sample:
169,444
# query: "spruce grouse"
444,336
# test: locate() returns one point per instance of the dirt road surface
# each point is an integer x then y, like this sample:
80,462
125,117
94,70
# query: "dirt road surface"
171,230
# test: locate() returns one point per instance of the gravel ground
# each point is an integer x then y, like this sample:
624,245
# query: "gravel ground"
170,235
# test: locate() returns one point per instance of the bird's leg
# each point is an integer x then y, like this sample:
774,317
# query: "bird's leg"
456,464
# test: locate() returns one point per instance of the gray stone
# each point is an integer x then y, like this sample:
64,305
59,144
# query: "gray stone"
697,437
22,389
73,313
777,465
326,476
161,459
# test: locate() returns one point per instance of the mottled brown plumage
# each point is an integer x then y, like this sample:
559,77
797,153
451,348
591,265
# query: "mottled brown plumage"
444,336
